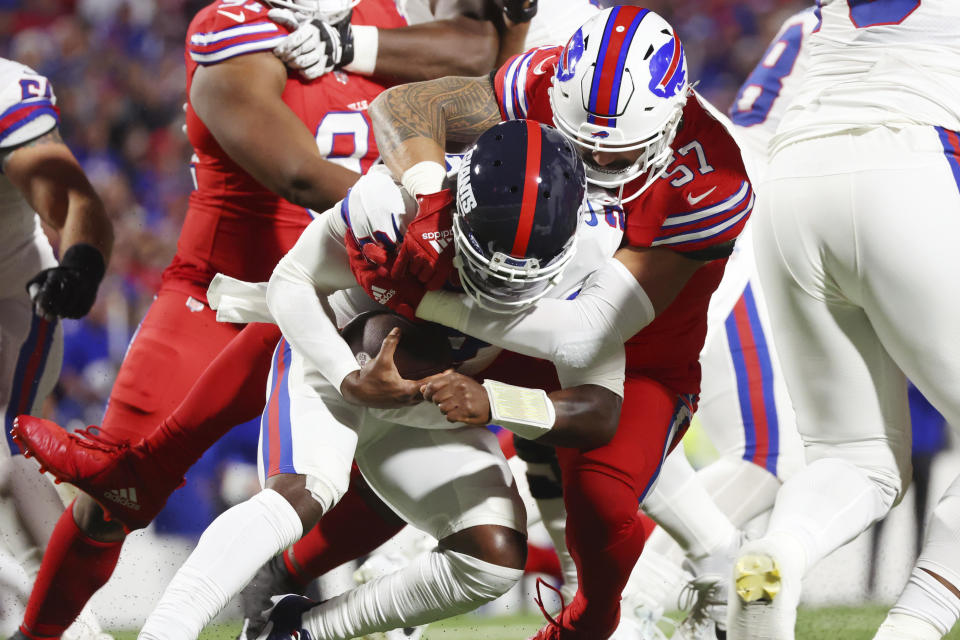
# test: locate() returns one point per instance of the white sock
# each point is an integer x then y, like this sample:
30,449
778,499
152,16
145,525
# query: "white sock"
436,585
926,603
554,516
680,504
29,509
827,504
226,558
902,626
655,578
740,489
927,600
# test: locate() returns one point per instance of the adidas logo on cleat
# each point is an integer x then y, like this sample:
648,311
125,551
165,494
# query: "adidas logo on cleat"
124,497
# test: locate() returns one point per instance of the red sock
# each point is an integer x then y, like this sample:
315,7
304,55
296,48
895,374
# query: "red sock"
605,537
74,567
229,392
355,527
543,560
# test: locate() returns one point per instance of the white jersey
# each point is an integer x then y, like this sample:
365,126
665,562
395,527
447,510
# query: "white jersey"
881,62
27,111
763,98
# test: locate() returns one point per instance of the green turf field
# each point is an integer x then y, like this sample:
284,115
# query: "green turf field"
835,623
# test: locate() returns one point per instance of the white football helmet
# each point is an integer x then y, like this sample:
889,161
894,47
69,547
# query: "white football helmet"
330,11
620,85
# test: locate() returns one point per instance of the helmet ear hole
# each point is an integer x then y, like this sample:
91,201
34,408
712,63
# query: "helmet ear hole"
546,195
497,163
514,189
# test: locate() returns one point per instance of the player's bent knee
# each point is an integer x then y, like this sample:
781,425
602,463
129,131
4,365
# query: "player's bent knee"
495,544
298,491
874,460
477,580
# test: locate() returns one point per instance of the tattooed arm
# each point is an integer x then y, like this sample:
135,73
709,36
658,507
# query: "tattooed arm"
53,183
413,122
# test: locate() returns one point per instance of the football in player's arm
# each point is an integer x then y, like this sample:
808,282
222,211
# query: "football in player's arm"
52,182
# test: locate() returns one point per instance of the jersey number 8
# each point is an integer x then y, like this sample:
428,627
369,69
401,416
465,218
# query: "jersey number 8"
343,137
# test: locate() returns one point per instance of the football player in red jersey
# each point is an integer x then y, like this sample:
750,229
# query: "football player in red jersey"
270,147
619,89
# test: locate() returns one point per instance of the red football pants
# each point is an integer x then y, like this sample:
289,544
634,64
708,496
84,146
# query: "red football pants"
175,342
602,488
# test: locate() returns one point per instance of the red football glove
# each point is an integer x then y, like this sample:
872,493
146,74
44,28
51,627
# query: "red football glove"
401,295
427,248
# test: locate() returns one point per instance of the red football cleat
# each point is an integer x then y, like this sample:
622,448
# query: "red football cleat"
561,627
124,479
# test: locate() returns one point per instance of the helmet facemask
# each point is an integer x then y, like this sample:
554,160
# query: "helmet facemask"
501,283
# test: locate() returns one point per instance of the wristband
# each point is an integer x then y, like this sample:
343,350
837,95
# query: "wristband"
424,178
529,413
86,259
366,42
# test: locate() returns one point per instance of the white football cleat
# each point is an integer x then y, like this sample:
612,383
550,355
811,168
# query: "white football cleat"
705,600
86,627
641,618
766,591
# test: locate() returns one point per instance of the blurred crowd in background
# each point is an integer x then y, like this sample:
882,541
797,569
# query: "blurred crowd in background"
117,69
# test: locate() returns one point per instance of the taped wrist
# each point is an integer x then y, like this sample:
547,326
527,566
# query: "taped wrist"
424,178
529,413
363,45
86,259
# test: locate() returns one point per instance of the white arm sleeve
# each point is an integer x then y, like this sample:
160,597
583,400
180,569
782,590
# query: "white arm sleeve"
611,308
313,269
606,370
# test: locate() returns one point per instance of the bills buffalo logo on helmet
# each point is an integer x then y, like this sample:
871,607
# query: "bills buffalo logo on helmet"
667,69
570,57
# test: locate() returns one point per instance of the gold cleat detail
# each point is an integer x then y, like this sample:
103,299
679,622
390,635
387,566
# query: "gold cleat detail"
757,578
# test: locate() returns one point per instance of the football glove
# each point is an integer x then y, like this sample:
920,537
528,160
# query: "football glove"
427,249
401,295
70,289
519,11
314,47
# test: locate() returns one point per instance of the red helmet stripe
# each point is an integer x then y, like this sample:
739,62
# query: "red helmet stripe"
616,37
674,62
531,187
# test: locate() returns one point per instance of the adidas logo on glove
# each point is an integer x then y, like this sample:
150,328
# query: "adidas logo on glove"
382,295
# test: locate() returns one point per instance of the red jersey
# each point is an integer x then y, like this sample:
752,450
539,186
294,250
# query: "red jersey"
234,225
700,204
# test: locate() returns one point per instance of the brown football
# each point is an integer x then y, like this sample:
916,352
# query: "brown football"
424,348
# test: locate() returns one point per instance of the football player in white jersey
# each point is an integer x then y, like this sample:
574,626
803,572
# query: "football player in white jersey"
311,432
744,407
853,248
40,180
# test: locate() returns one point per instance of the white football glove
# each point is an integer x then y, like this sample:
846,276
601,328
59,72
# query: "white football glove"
313,47
378,208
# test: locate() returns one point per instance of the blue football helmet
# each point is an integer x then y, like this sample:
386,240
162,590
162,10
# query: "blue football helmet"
519,192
